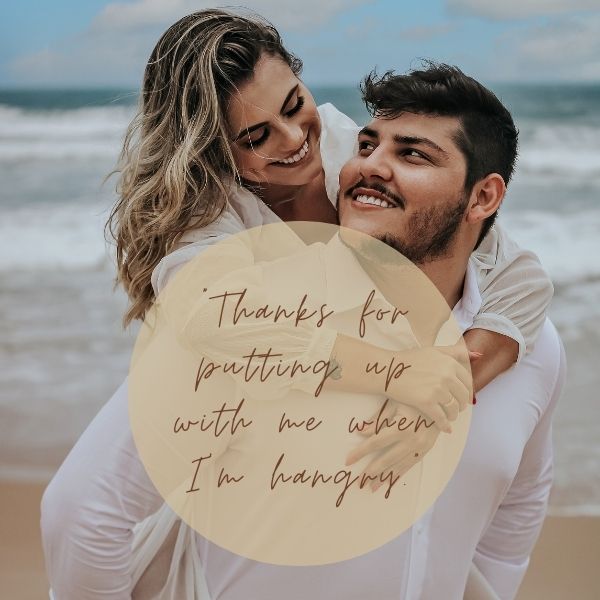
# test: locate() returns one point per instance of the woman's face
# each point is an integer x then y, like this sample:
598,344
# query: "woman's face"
275,127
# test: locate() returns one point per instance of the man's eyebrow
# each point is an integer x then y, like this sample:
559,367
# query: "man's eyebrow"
368,132
405,140
249,130
413,140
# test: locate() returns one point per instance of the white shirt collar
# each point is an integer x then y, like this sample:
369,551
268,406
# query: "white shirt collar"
470,302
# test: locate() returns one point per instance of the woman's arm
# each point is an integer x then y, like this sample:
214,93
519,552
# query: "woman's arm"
427,377
498,353
230,281
516,293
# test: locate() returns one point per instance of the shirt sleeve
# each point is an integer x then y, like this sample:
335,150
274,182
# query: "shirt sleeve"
515,289
502,554
89,509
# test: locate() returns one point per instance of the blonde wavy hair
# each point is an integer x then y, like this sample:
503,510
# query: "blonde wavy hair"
176,154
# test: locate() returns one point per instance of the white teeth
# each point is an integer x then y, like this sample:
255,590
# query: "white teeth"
298,156
372,200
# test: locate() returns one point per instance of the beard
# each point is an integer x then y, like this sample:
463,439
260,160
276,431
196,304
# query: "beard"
430,233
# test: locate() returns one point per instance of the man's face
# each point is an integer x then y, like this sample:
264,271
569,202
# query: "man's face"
406,185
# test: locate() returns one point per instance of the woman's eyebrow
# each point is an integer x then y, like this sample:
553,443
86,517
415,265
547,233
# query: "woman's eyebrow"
249,130
287,98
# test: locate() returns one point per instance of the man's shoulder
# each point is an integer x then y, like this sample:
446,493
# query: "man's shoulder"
548,348
548,355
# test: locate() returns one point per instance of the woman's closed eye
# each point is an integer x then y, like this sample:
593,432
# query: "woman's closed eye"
261,139
296,108
254,143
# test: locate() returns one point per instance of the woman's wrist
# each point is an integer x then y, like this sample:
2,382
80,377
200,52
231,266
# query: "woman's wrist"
356,361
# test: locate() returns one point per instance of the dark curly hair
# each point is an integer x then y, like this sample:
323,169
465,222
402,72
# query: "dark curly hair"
487,137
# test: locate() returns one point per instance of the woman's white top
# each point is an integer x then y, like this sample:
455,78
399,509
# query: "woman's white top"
103,520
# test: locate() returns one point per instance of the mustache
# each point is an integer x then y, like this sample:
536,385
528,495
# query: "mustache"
379,187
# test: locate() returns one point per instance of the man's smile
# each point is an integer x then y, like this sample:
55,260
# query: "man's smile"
375,196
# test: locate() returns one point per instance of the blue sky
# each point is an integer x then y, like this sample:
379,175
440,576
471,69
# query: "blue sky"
94,42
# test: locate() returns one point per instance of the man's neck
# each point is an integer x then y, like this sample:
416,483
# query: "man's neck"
427,314
448,276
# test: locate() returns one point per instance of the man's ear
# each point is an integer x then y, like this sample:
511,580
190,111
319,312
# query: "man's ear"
486,197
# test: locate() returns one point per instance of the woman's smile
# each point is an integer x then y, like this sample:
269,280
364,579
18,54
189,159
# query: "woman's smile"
297,157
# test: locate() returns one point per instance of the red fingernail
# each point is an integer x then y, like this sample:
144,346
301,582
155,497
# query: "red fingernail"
474,400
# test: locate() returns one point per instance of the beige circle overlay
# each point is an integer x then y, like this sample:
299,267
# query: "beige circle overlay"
255,368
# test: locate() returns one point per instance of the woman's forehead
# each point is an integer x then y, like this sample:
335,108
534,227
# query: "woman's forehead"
262,97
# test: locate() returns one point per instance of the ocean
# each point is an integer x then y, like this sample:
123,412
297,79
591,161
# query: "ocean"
63,351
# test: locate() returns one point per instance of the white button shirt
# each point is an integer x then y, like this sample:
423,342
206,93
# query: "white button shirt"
490,512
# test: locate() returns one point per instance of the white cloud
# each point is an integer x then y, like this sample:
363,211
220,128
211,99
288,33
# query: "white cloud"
290,15
93,58
116,45
519,9
565,49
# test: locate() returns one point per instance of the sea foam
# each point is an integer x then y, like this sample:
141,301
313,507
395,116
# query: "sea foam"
60,134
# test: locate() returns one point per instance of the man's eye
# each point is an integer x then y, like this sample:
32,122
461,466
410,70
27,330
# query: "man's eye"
412,153
365,146
296,108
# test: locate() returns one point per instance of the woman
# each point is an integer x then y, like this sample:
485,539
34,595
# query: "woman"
209,156
171,198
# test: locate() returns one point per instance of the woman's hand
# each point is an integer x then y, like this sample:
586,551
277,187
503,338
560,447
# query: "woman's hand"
396,450
431,379
400,436
434,381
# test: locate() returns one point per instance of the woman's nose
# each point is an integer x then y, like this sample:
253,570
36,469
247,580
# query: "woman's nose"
294,136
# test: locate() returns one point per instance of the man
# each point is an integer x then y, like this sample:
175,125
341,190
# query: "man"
429,176
493,507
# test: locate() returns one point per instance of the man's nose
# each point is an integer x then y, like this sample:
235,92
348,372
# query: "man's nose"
375,166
